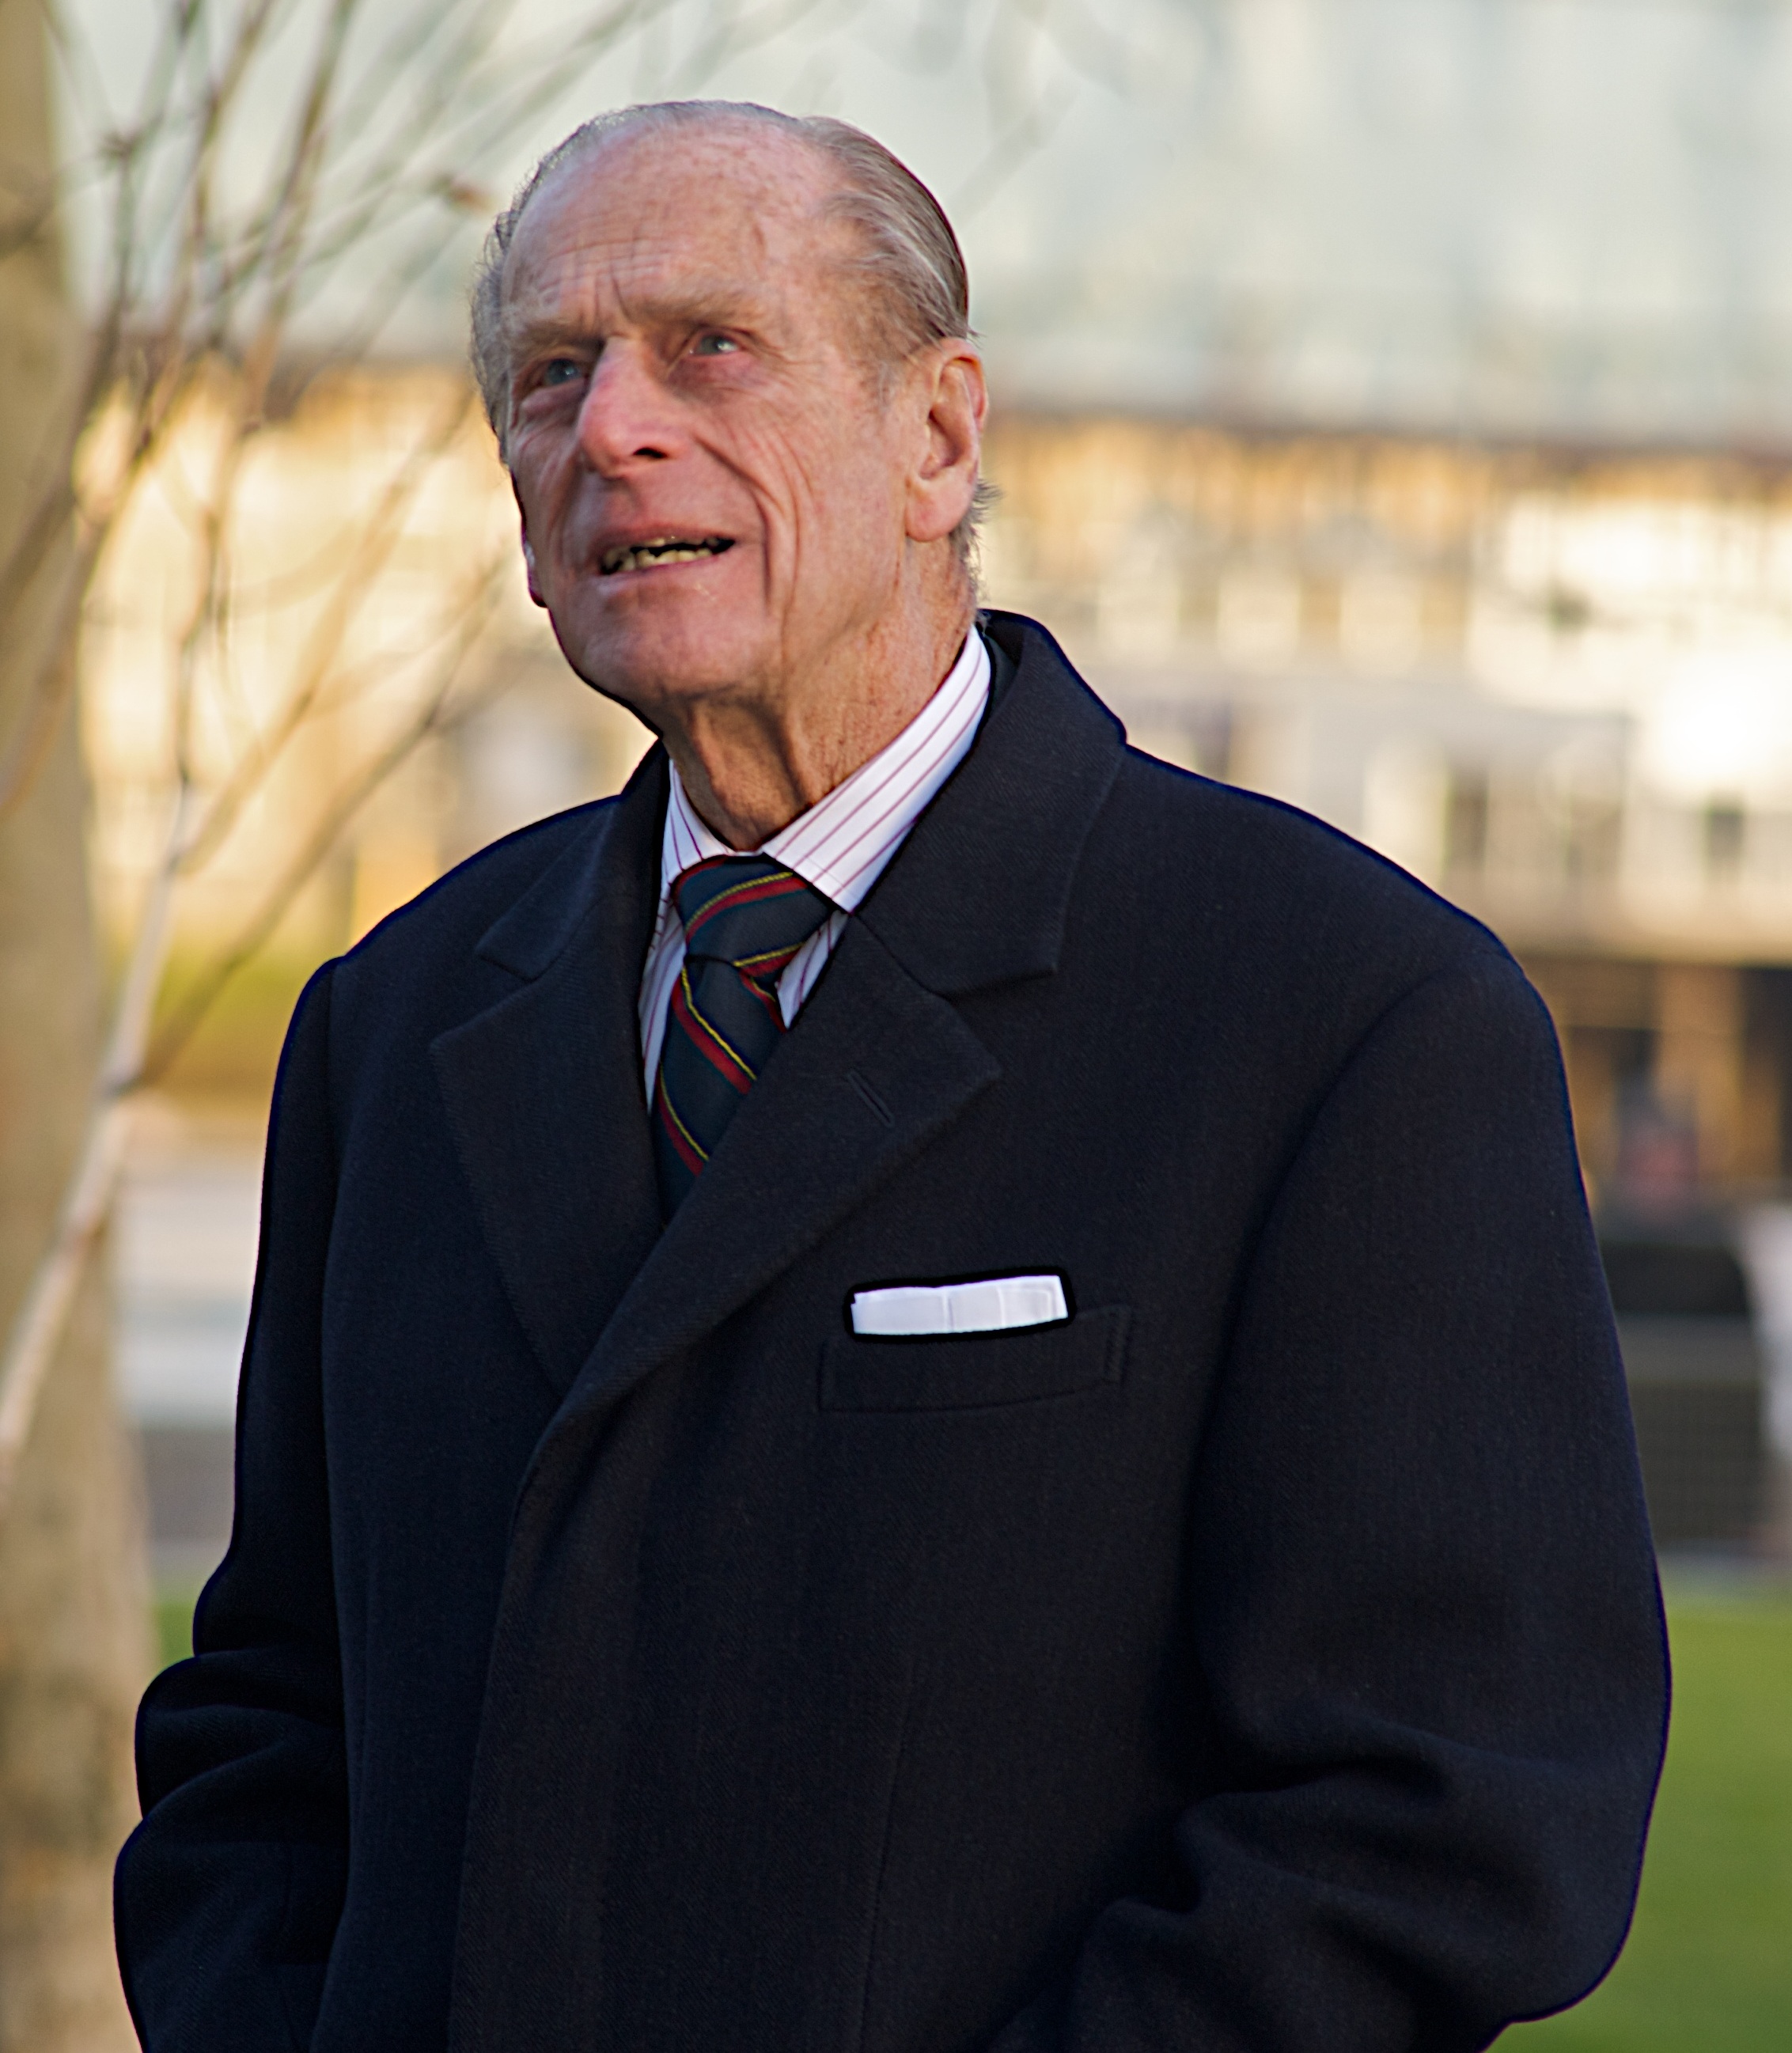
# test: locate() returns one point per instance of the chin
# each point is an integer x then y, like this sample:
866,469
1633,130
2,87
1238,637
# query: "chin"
661,655
663,635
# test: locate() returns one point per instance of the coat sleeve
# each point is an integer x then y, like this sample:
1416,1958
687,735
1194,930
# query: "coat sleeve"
1422,1592
228,1893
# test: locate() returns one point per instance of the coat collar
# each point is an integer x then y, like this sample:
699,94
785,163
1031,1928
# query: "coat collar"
595,874
545,1091
978,893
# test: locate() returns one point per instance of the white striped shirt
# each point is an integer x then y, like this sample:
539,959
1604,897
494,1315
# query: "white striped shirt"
841,844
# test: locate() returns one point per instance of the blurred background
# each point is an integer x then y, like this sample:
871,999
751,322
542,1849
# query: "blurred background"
1393,414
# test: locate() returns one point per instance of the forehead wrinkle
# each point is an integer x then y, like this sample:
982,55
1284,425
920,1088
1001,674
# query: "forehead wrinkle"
649,277
650,234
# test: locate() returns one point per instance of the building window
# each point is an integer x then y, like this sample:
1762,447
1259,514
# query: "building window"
1465,823
1726,828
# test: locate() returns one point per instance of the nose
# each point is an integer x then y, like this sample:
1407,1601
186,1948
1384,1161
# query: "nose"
627,419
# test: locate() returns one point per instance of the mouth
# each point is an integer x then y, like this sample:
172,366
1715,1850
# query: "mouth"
662,549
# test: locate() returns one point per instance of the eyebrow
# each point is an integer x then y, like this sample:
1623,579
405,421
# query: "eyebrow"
725,302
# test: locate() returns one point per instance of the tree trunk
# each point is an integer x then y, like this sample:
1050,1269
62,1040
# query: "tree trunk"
74,1617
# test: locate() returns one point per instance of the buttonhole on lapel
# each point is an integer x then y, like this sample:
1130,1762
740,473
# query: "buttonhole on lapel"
875,1104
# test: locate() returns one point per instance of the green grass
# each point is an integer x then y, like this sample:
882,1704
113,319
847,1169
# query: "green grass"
1708,1967
174,1624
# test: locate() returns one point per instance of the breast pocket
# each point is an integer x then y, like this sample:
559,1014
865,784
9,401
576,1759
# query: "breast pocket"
963,1371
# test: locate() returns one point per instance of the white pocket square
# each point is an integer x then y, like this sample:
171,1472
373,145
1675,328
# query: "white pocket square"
989,1305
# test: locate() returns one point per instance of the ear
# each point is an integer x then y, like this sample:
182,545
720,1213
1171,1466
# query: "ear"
944,479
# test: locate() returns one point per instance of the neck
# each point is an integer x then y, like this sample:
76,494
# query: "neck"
750,763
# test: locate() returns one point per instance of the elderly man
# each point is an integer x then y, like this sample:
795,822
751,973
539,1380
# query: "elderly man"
924,1387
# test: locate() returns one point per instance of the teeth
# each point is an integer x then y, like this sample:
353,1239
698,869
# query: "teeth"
668,550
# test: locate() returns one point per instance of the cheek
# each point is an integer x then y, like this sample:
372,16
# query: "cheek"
537,526
830,494
538,471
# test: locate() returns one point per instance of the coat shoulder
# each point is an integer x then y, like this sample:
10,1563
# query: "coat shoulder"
1277,894
1260,850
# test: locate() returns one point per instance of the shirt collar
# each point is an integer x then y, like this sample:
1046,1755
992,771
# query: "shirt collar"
843,844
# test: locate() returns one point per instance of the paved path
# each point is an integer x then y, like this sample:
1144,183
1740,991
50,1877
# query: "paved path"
184,1252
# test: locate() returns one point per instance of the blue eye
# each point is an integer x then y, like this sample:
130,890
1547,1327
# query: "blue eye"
563,371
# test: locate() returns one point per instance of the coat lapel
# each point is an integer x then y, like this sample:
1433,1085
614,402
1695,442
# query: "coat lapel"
880,1061
544,1089
880,1066
978,895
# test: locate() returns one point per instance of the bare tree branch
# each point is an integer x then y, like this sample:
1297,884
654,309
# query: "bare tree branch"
374,544
31,1346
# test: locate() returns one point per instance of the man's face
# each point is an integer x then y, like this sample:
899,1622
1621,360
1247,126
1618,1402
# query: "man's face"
713,494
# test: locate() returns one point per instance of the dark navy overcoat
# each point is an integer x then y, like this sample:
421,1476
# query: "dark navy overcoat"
615,1654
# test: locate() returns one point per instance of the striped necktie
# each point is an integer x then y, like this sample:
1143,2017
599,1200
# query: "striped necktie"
745,917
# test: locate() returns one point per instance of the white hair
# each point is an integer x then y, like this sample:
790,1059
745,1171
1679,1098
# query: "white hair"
909,259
